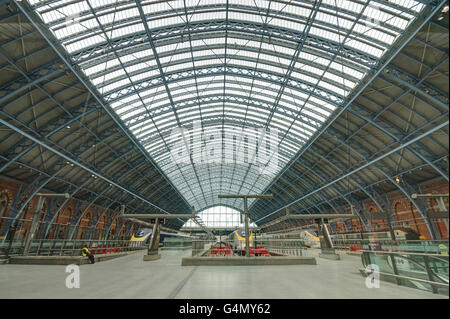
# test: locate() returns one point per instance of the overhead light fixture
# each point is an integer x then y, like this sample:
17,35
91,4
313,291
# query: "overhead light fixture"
397,179
445,9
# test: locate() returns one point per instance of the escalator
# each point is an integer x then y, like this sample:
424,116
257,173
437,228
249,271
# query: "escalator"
429,272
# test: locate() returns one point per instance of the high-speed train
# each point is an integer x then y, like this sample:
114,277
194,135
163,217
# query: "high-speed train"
401,233
143,236
310,238
237,240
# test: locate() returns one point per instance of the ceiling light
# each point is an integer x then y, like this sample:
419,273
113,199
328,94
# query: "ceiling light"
445,8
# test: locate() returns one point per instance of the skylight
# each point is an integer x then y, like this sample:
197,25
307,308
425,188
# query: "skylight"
228,65
219,217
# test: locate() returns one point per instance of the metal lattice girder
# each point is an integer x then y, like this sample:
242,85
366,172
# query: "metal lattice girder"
38,190
369,187
20,154
162,216
352,192
50,44
368,163
277,32
38,180
86,148
412,147
252,29
276,39
342,194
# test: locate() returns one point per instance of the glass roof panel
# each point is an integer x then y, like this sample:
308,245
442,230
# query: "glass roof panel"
207,74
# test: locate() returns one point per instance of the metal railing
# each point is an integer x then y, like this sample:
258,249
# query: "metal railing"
419,246
284,246
260,247
51,238
201,247
428,272
56,247
48,230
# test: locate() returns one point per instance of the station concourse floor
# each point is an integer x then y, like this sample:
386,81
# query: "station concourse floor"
131,277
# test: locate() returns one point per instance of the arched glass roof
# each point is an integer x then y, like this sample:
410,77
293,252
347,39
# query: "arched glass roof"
284,66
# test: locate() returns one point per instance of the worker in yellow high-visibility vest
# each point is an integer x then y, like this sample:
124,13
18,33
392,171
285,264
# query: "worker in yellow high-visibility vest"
86,253
443,249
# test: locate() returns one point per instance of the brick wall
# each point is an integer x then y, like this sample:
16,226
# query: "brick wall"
406,214
9,190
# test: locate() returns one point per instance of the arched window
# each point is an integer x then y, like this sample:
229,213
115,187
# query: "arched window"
219,217
3,203
372,222
397,216
4,200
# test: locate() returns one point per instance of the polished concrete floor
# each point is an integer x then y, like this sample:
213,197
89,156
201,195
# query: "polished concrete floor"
130,277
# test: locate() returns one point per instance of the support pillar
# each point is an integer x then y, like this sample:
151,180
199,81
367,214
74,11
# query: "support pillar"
246,212
443,212
34,225
153,246
247,235
36,217
440,201
326,244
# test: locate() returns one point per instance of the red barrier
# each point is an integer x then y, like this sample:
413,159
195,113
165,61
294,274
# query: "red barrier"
217,251
220,251
355,247
260,250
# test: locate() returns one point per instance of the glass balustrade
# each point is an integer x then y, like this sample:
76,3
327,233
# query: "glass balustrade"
423,271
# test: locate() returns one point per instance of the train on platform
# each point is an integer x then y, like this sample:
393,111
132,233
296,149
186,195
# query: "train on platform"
237,241
142,236
309,237
401,233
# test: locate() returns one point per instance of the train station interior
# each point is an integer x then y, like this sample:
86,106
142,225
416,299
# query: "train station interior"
224,149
